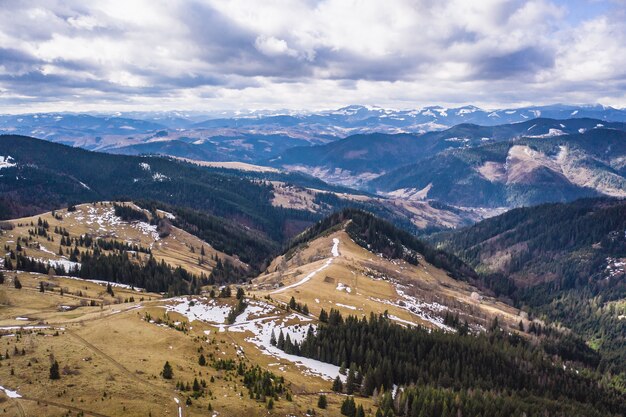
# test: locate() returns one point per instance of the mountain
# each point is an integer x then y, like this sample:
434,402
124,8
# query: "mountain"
525,171
102,131
243,147
244,213
359,158
566,262
353,305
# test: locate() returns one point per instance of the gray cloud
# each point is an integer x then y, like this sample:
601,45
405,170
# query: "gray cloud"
307,54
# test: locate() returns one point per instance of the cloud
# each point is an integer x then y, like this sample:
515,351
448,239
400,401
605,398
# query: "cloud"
308,54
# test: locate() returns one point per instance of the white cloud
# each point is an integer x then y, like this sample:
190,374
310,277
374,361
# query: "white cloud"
298,53
272,46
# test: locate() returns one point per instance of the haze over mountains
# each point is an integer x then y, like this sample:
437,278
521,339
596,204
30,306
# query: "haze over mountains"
138,127
500,158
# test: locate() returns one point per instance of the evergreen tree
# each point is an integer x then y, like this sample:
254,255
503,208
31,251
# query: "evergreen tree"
348,407
337,384
167,373
240,293
323,316
322,402
17,283
202,360
54,370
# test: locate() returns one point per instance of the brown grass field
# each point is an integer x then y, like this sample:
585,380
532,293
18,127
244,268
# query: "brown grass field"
111,355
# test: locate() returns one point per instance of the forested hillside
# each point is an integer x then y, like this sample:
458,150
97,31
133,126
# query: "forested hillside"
522,172
519,377
564,261
380,236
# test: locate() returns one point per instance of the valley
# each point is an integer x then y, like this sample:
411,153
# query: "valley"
218,341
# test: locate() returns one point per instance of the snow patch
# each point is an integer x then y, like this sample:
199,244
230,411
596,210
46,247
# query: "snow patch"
7,162
202,309
9,393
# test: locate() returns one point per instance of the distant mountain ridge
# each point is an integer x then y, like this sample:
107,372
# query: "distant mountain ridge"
358,159
522,172
77,128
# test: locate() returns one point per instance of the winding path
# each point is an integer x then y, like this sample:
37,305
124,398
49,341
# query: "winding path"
335,253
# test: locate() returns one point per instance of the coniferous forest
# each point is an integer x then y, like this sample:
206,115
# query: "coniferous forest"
490,374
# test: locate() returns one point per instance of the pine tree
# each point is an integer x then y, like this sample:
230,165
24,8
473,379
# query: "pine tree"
240,293
292,303
348,407
337,384
41,287
167,373
322,402
202,360
54,370
323,316
17,283
351,380
281,340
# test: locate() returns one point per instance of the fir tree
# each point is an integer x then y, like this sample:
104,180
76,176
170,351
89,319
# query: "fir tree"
167,373
54,370
337,384
322,402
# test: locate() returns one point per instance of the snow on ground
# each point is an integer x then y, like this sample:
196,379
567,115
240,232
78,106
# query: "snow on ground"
254,309
423,310
294,325
7,162
144,166
9,393
180,409
146,229
335,248
44,249
203,309
334,251
102,282
24,327
398,319
343,287
262,330
157,176
345,306
57,263
103,217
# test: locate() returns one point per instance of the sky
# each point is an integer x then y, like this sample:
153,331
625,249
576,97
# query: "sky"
75,55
